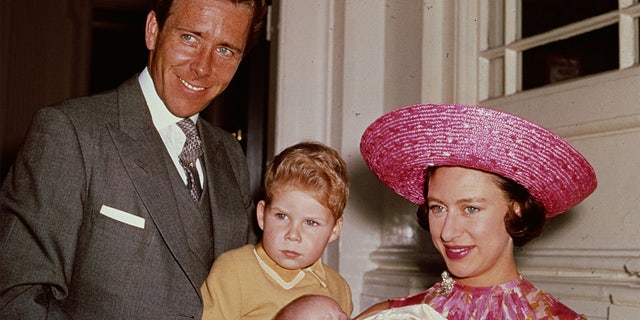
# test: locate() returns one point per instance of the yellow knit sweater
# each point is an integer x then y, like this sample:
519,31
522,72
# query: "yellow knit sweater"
246,284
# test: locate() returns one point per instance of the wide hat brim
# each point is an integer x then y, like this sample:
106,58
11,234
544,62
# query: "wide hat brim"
402,144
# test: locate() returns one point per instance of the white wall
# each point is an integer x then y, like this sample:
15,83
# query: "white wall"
343,63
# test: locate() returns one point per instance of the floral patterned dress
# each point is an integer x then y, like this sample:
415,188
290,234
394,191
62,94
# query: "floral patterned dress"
516,299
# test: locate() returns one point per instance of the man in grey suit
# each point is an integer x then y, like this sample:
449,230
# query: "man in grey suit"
98,217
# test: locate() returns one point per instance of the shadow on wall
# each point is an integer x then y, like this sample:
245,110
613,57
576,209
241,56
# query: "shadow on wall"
36,73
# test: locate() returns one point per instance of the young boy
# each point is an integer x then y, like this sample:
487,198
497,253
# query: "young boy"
306,189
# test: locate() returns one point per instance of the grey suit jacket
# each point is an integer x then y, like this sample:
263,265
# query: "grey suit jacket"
90,226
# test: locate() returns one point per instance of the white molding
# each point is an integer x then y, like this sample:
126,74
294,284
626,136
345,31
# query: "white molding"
467,26
599,128
438,47
591,266
633,74
303,101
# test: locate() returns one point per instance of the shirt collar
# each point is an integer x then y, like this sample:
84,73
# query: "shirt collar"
287,278
160,115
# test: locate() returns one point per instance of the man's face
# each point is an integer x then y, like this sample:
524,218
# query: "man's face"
194,57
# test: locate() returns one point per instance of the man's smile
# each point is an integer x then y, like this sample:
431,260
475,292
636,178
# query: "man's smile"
190,86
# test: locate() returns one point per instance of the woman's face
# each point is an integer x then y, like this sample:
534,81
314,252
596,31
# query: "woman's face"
466,211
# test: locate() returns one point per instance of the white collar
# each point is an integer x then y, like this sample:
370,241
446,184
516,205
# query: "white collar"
160,115
273,273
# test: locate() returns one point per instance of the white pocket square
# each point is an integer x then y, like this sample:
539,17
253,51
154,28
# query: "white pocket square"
123,216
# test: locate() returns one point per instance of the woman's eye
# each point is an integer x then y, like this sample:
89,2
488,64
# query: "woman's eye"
471,209
436,208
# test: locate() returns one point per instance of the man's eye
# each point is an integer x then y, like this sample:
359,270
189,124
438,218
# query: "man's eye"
188,37
225,51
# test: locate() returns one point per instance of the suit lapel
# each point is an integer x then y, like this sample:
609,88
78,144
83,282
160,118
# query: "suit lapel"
224,191
142,152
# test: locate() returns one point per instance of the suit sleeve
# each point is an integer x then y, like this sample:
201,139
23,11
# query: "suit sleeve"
41,210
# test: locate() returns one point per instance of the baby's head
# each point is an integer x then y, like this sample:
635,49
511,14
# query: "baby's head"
306,190
312,307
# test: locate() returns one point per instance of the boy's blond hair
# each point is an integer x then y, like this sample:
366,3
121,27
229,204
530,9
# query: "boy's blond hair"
313,168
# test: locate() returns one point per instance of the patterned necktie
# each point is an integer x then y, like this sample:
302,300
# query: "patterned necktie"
191,151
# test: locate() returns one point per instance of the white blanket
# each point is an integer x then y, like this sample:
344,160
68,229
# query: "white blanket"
413,312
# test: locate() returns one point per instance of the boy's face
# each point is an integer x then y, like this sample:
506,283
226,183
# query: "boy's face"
296,228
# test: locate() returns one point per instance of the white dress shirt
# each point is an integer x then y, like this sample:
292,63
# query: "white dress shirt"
166,124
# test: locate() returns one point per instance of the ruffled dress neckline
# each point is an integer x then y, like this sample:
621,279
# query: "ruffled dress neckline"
515,299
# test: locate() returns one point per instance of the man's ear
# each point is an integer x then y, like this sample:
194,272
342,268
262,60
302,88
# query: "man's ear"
337,228
260,211
151,30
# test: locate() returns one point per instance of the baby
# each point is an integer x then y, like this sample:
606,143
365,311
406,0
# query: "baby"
312,307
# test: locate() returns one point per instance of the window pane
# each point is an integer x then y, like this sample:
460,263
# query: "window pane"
586,54
539,16
496,77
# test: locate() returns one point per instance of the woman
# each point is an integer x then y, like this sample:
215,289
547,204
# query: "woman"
485,182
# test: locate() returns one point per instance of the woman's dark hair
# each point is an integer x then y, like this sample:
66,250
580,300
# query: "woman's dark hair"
522,228
162,9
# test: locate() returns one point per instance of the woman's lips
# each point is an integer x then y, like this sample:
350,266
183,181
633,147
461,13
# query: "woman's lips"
457,252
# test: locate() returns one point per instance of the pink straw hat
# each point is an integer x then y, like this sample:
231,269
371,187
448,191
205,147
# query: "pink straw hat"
401,144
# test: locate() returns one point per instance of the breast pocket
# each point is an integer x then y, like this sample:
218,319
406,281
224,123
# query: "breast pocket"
122,224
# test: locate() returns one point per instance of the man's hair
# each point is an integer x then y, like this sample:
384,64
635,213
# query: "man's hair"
522,228
162,8
313,168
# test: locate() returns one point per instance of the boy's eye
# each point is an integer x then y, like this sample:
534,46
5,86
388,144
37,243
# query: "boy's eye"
312,223
280,216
